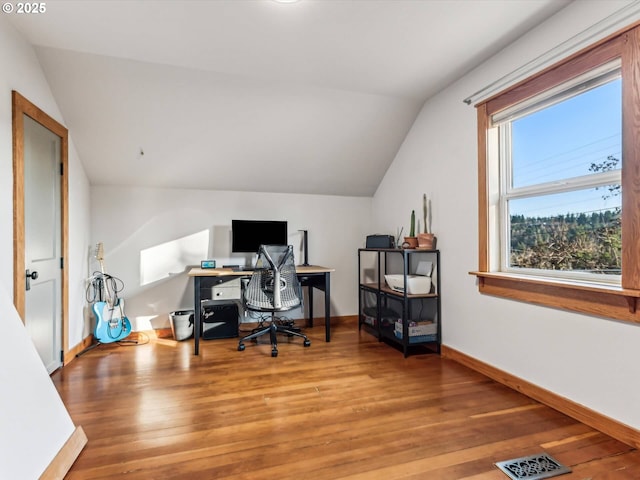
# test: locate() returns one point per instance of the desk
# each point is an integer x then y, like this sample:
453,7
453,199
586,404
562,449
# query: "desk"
311,276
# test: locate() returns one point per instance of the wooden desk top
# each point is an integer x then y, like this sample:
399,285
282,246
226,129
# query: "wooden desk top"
222,272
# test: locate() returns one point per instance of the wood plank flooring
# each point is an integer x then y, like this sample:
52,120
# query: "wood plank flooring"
352,409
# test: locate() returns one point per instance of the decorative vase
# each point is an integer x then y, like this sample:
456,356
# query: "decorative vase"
410,242
427,241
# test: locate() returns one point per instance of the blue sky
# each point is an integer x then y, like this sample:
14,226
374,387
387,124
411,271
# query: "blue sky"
563,141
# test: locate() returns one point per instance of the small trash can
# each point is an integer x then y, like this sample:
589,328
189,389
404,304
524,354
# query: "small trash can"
181,324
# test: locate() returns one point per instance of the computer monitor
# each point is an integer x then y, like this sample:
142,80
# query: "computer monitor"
248,235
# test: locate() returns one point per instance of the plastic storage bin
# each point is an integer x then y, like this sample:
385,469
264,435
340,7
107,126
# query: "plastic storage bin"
181,324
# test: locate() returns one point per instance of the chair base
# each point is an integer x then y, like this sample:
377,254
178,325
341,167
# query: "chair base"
273,331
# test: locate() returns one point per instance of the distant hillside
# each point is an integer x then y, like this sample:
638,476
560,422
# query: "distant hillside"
568,242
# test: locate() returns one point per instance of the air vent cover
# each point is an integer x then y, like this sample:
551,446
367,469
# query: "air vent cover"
533,467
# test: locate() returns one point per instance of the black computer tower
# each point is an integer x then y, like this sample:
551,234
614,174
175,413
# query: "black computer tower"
219,320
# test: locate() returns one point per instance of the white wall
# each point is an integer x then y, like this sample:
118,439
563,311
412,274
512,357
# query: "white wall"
80,318
592,361
23,73
129,221
37,422
34,421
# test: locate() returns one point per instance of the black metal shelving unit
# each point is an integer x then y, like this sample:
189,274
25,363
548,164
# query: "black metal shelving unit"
387,313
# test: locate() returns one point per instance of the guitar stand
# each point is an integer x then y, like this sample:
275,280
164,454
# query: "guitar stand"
89,348
97,344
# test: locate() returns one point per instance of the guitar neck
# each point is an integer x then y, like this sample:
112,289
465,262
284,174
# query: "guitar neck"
106,297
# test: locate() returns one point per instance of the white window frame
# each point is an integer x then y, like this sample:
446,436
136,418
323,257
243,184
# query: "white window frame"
502,122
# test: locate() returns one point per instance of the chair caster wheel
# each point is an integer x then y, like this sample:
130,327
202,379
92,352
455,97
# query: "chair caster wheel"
307,343
241,347
274,353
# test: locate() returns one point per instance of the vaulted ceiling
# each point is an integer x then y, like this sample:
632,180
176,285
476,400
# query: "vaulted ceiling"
314,96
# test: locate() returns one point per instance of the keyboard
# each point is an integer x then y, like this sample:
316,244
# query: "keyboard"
242,269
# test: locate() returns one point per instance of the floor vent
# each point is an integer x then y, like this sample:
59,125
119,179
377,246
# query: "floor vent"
533,467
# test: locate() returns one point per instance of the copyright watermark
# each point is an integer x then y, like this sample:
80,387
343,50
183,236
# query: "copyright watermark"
24,8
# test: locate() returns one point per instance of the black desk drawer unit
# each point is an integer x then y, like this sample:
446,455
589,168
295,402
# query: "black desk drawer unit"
219,320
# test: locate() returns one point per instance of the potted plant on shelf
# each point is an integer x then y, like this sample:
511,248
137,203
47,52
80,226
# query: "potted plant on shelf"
411,241
426,240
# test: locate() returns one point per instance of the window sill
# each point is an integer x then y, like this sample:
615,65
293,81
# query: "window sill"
594,299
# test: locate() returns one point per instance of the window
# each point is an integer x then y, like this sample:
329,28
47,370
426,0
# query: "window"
560,193
559,184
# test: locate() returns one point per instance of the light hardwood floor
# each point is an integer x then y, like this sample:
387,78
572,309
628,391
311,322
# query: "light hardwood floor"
353,408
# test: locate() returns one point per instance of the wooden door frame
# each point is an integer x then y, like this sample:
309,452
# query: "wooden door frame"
20,107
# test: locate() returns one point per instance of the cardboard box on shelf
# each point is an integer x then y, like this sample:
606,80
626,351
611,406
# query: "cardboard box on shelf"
418,328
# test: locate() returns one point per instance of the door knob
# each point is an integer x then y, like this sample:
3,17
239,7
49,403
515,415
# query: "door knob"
31,276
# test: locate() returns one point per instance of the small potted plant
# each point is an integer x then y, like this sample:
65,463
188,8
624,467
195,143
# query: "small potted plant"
411,241
426,240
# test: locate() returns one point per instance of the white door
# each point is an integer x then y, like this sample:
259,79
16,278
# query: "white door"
42,241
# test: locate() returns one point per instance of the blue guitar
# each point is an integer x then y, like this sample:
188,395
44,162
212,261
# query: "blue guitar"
111,323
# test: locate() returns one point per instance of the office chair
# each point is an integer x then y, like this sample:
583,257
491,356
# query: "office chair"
273,287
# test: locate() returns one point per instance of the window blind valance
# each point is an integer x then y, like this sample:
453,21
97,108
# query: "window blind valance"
607,26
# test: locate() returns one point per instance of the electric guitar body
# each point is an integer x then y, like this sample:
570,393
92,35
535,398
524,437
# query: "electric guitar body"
111,324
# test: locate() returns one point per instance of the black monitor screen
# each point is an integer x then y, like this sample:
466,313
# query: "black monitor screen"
248,235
